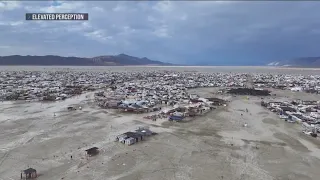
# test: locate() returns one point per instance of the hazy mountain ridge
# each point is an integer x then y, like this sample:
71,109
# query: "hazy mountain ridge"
299,62
51,60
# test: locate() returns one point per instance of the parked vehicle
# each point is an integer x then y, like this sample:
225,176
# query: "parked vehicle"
175,118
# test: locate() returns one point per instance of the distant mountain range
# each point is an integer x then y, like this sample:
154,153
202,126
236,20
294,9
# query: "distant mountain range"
50,60
125,60
299,62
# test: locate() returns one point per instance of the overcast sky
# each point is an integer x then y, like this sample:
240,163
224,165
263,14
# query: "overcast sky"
208,32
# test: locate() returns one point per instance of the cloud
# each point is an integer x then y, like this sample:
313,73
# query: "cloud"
11,23
9,5
63,7
163,6
195,31
162,31
4,47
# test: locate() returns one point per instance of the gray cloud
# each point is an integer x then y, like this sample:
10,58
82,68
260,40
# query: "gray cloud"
177,31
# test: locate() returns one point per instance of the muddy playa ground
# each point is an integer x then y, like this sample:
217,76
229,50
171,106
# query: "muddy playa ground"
215,146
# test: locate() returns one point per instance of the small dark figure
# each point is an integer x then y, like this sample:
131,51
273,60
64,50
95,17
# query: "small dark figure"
71,157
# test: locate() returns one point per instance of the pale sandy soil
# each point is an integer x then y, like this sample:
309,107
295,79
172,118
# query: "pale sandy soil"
215,146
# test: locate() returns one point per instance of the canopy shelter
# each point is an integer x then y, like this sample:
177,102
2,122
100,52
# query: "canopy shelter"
29,173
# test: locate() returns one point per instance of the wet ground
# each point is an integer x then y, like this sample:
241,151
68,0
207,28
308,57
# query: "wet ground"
215,146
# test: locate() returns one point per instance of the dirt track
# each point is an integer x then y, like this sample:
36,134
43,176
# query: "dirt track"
216,146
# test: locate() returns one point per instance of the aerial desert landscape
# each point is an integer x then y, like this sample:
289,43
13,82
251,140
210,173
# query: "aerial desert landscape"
159,90
226,143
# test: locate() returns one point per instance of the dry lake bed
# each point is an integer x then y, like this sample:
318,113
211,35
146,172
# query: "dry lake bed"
215,146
